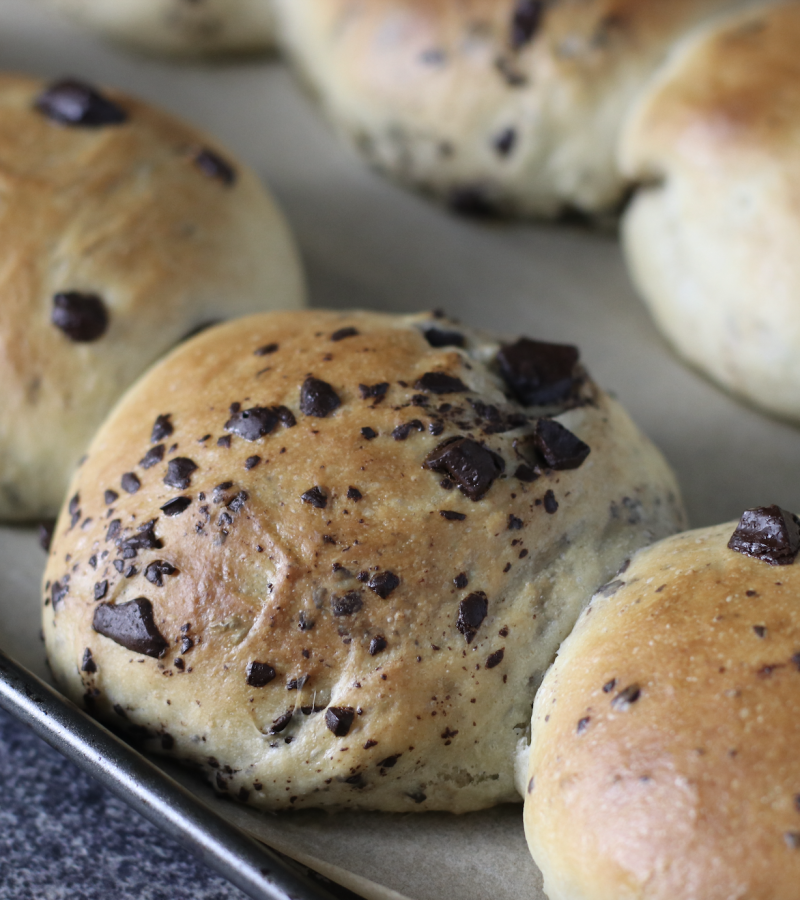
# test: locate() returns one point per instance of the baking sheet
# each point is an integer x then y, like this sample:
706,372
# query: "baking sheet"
367,243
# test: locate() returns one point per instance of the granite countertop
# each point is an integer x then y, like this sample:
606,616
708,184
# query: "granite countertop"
62,835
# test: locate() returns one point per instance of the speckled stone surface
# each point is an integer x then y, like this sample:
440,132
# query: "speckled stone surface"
64,836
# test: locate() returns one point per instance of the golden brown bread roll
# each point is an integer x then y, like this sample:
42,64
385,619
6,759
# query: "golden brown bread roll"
123,229
663,764
327,556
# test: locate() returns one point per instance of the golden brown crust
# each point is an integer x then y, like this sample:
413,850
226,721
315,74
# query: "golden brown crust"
692,789
125,213
269,561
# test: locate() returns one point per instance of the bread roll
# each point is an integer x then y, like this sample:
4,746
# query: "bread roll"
122,230
663,764
712,235
178,27
326,557
509,107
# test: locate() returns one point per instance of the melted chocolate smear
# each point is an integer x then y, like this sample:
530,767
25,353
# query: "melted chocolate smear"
343,333
472,467
156,571
316,497
472,610
179,473
560,448
265,350
72,102
253,423
130,483
46,534
88,665
377,645
131,625
318,398
440,383
525,22
538,373
162,428
153,456
437,337
375,392
259,674
338,719
100,590
82,317
214,166
176,507
346,604
383,583
768,533
354,494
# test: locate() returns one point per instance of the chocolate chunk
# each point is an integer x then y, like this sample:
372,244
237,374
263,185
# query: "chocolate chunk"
583,724
144,539
153,456
377,644
162,428
318,398
214,166
110,496
768,533
130,483
114,527
46,534
435,428
259,674
525,473
760,631
514,524
224,441
100,590
119,565
346,604
440,383
496,658
538,373
131,625
176,507
130,571
451,515
461,580
401,432
279,724
505,142
550,503
251,462
560,448
265,350
186,644
238,501
472,610
525,22
609,686
375,392
74,103
436,337
316,497
59,590
156,571
251,424
626,697
368,433
354,494
88,665
343,333
179,473
304,623
82,317
338,719
383,583
471,466
285,415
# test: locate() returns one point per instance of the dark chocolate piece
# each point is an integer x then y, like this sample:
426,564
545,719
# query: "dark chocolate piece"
495,658
88,665
472,466
375,392
626,697
472,610
46,534
279,724
214,166
539,373
550,503
259,674
285,415
316,497
318,398
113,530
451,515
224,441
377,644
110,496
253,423
77,104
354,494
343,333
176,507
440,383
82,317
153,456
461,580
265,350
368,433
130,483
525,473
338,719
162,428
436,337
131,625
59,590
100,590
525,22
383,583
346,604
401,432
767,533
505,142
560,448
251,462
179,473
156,571
144,539
514,524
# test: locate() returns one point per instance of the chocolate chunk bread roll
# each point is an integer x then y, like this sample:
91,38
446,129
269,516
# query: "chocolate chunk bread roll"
493,106
178,27
327,556
711,237
664,764
123,230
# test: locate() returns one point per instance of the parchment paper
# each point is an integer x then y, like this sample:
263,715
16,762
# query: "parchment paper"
367,243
